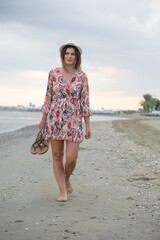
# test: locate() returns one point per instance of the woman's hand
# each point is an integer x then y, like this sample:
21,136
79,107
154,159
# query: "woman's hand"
42,125
88,132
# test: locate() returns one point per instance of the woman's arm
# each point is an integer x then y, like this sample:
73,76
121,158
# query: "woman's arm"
44,116
42,123
47,102
88,129
85,108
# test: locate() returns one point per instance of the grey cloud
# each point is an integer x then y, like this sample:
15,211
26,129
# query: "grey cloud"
109,32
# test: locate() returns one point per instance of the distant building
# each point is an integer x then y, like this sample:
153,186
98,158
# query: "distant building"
108,112
20,107
32,107
155,113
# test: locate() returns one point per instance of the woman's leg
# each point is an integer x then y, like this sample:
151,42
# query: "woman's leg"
58,153
71,158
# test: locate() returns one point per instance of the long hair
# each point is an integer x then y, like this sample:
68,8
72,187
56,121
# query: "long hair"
78,57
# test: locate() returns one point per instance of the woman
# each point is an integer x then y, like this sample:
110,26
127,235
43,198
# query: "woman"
66,102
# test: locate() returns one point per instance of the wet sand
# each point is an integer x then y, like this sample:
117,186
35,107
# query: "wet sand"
116,186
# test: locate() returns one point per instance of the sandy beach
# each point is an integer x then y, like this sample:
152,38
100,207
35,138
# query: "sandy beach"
116,186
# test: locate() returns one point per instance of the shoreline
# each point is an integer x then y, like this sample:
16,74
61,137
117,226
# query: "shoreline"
116,188
105,116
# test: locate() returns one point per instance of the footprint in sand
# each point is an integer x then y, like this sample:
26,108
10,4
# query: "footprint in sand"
18,221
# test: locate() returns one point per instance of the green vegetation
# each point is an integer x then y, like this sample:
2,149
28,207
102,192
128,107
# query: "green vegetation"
129,111
149,103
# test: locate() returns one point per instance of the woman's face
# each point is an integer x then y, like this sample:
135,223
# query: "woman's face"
70,57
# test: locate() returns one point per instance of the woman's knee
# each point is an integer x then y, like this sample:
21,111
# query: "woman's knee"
71,158
58,156
57,149
72,151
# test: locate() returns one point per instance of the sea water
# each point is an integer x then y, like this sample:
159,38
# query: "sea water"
13,120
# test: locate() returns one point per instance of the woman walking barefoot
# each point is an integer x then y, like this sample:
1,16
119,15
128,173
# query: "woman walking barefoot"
66,102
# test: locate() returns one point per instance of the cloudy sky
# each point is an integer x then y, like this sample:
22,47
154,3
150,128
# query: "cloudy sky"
120,40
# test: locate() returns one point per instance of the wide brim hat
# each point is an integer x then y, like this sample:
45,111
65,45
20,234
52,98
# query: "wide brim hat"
70,44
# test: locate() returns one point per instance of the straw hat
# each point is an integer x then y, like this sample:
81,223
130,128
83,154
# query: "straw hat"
70,44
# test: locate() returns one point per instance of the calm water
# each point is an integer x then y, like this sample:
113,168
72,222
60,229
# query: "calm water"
13,120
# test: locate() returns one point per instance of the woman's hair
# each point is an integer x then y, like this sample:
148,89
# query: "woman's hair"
78,57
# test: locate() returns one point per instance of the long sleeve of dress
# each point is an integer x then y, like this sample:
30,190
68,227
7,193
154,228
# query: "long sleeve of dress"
84,101
49,93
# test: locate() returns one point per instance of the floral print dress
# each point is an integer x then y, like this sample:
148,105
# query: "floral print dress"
65,104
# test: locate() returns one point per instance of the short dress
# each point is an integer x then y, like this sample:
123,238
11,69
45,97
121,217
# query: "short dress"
65,104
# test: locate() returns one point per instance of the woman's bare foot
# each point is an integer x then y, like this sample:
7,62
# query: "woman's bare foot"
62,198
69,186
